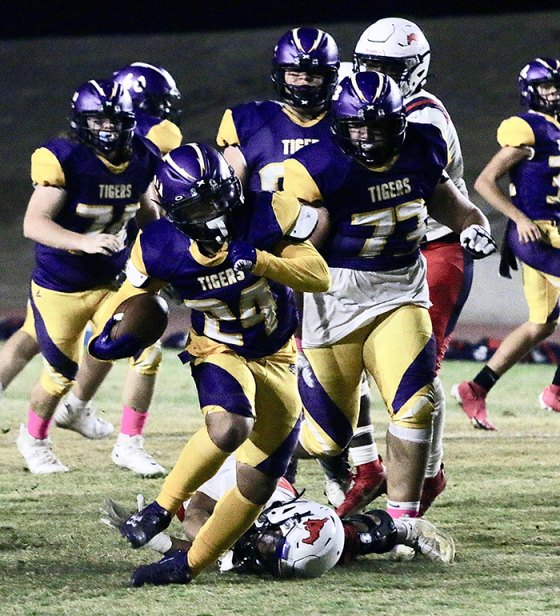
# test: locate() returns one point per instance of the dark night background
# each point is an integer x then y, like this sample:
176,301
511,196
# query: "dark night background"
31,18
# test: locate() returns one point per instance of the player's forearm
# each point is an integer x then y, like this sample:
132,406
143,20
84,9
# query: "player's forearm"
300,267
45,231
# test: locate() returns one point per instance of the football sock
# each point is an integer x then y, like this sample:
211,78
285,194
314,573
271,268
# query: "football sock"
435,455
133,421
486,378
399,509
37,426
233,516
555,380
199,460
366,452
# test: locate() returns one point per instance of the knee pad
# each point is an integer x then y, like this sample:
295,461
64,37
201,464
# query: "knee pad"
415,416
316,442
149,361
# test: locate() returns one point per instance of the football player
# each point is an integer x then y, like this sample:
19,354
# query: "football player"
259,136
378,179
529,154
155,98
88,190
234,263
399,48
292,537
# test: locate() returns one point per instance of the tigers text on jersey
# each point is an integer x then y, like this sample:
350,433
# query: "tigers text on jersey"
252,315
101,198
267,133
535,181
377,217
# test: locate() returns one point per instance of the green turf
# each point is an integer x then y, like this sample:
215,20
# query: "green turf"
501,505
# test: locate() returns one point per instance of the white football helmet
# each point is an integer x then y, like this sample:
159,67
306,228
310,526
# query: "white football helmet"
310,538
299,538
397,47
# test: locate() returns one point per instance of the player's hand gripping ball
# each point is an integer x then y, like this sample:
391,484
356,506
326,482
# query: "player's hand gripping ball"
144,316
137,323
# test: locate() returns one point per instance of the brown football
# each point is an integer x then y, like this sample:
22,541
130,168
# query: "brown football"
144,316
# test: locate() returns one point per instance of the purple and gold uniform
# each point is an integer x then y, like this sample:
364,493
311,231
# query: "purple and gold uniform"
164,133
535,190
68,288
268,133
375,314
241,345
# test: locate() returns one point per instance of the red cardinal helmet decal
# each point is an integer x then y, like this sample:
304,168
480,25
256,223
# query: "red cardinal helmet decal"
313,527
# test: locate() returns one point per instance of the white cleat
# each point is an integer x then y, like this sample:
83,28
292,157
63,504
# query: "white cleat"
335,490
84,421
430,541
38,455
402,552
129,453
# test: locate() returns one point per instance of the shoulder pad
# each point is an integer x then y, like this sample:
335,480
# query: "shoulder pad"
134,276
304,225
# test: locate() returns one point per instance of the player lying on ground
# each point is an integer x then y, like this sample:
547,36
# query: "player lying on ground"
293,537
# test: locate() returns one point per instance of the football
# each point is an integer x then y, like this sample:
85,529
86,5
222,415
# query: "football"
144,316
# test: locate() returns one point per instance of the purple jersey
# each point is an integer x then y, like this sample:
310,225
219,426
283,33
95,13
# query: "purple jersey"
99,199
268,134
378,217
252,315
536,181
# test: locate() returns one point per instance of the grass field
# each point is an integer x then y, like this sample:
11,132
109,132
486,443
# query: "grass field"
502,506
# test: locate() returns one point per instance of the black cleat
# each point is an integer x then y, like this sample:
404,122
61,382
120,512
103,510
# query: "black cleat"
171,569
143,525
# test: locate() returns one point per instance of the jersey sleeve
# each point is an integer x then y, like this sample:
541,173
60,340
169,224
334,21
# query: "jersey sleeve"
515,132
166,135
298,181
146,268
298,266
46,169
227,133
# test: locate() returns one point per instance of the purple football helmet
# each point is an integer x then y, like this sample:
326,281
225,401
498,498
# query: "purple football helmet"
310,50
198,190
540,71
370,102
152,89
99,99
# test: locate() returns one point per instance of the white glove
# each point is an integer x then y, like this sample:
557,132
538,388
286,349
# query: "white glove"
477,241
114,515
304,370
